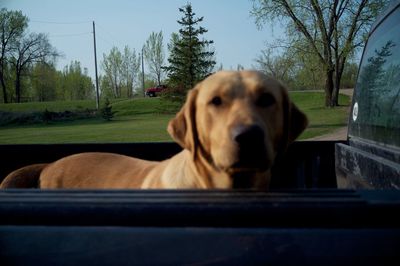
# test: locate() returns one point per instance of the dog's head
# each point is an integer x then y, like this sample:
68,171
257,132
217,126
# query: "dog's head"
237,122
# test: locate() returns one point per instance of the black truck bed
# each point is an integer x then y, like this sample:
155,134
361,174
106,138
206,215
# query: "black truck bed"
284,227
306,164
315,224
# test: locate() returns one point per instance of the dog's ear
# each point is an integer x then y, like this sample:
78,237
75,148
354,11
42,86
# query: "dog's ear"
295,121
182,128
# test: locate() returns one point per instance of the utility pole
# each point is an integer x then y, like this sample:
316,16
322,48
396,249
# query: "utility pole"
144,90
95,68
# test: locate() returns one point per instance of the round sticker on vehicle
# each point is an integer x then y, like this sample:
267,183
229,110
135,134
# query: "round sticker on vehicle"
355,111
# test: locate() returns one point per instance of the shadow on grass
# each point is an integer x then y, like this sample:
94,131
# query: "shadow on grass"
328,125
320,108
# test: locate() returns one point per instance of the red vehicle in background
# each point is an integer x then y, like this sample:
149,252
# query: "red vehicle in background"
152,92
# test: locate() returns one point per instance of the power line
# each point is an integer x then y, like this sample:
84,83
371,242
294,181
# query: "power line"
101,36
64,23
107,32
59,22
69,35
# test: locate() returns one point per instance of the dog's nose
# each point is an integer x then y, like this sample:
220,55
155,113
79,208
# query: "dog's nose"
249,136
252,151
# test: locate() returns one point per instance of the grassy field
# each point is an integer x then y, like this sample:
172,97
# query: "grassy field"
144,120
322,120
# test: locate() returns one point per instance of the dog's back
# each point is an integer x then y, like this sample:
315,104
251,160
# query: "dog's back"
26,177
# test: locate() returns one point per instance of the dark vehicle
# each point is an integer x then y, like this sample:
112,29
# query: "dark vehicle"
154,91
304,220
371,157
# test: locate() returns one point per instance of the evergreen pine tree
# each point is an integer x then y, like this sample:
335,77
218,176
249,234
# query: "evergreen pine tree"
107,112
191,57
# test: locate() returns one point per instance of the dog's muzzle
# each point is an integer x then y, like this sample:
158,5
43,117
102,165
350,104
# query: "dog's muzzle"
252,153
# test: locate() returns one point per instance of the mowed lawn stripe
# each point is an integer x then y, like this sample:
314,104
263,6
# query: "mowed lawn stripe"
140,128
146,120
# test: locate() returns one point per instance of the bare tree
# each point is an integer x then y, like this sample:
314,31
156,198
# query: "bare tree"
30,49
12,26
112,66
278,66
155,55
330,29
130,69
121,71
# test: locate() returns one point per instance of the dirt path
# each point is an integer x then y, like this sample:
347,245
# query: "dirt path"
341,133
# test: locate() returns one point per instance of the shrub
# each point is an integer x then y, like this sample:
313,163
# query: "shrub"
107,112
47,116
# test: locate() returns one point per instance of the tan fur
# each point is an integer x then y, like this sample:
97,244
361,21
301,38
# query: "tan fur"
26,177
206,127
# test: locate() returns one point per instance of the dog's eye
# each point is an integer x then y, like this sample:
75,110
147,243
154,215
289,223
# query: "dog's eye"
265,100
216,101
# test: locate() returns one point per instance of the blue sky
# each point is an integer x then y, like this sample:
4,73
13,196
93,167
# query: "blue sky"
68,24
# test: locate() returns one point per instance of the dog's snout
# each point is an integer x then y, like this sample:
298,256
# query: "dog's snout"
251,146
249,136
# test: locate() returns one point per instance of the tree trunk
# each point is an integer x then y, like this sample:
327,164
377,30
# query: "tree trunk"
159,78
3,85
335,93
338,77
18,88
335,97
329,88
129,90
2,81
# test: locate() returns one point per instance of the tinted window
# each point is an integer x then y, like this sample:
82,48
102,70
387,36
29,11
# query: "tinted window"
376,106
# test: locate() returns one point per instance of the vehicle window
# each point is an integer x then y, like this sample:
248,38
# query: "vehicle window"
376,105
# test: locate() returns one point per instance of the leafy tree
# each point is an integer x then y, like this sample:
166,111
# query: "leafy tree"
308,73
76,84
105,87
12,26
191,58
154,54
28,50
44,81
330,30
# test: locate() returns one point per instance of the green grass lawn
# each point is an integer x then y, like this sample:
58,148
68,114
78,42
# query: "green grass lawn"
139,128
144,120
322,120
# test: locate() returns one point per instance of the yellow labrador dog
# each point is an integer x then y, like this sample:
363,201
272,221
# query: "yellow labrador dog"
231,128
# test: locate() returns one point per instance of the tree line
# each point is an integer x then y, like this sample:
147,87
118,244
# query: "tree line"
27,66
28,71
45,83
20,50
322,39
323,34
191,59
301,72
